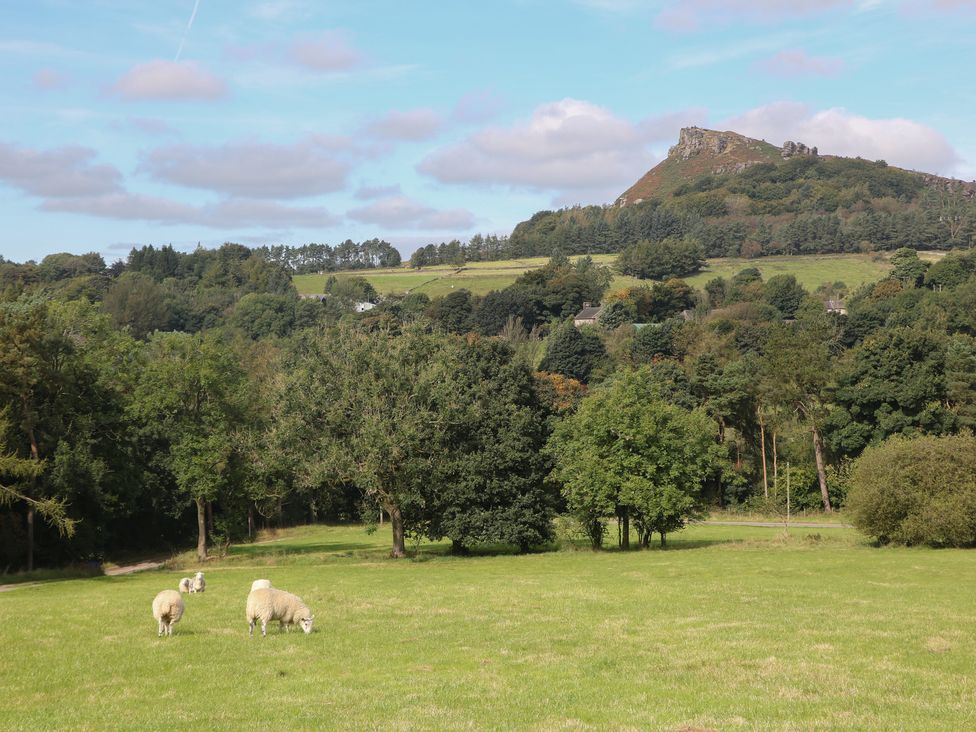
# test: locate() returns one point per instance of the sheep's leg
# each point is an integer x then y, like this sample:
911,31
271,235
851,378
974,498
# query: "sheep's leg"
250,628
160,629
264,627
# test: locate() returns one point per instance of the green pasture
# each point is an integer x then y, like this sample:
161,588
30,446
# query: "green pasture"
730,628
482,277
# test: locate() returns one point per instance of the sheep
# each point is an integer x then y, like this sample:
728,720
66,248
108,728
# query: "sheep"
185,584
167,608
270,604
198,584
260,584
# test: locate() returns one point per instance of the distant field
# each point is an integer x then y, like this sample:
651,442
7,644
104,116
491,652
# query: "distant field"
482,277
731,628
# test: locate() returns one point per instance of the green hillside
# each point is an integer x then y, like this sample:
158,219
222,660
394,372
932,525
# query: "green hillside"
482,277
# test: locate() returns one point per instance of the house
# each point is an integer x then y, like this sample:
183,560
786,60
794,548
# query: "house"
588,315
362,307
837,306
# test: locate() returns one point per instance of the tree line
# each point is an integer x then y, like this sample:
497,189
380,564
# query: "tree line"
473,418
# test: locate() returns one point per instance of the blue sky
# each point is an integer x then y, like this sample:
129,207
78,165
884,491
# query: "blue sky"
286,121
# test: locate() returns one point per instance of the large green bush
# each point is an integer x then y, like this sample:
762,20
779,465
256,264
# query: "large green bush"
917,491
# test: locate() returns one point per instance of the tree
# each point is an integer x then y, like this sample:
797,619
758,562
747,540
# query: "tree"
441,433
190,398
487,484
784,293
137,302
453,312
907,267
671,257
626,451
917,491
572,352
796,373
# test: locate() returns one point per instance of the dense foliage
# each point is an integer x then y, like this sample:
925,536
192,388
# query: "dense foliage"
177,398
917,491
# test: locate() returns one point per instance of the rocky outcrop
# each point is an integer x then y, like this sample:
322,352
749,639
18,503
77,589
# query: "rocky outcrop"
797,149
695,141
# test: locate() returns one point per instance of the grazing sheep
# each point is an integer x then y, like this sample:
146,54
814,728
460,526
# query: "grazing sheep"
261,584
167,609
185,584
198,584
271,604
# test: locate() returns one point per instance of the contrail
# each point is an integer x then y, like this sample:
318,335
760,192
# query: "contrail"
187,31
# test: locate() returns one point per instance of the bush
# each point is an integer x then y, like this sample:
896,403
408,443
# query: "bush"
917,491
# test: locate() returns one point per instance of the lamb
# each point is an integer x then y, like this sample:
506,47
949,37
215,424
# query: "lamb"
185,584
198,584
167,608
260,584
270,604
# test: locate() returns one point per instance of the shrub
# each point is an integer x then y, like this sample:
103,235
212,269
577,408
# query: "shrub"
917,491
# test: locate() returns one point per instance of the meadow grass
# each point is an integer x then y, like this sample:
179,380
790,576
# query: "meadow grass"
729,628
482,277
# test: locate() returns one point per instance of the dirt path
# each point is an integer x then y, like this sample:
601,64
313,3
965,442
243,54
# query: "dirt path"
111,572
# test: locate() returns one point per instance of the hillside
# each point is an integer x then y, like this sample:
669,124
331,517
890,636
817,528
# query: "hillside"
482,277
738,196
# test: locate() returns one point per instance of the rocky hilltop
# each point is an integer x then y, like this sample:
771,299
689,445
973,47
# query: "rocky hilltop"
711,152
701,152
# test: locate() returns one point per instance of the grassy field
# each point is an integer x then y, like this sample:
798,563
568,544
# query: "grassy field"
482,277
730,628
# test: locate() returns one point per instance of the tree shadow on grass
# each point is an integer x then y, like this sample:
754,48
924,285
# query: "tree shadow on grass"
281,547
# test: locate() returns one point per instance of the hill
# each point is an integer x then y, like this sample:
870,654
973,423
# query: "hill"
738,196
699,152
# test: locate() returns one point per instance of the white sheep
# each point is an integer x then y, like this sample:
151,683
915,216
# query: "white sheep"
270,604
198,584
185,584
167,608
260,584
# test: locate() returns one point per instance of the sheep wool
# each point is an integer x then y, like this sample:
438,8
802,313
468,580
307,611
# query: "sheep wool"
198,584
167,608
269,604
260,584
185,584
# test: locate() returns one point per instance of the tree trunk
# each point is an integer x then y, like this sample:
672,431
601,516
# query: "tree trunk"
762,444
663,539
30,538
201,529
250,522
625,520
775,467
396,521
35,455
821,473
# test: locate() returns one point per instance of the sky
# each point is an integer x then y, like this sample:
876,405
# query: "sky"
195,122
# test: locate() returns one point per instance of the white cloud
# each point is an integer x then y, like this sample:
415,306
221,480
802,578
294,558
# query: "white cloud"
325,52
569,145
169,80
368,193
795,62
901,142
61,172
401,212
229,213
311,166
411,126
